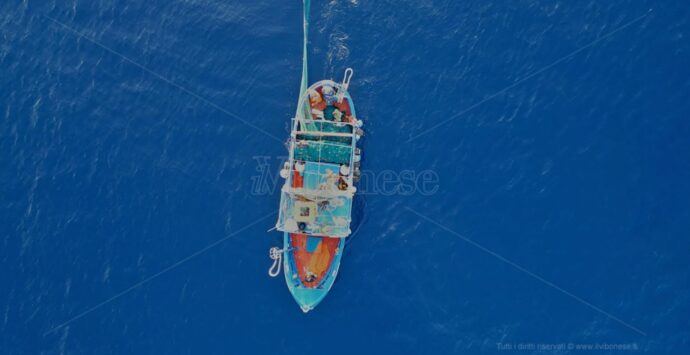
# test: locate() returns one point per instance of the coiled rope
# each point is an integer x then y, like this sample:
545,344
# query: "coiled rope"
276,255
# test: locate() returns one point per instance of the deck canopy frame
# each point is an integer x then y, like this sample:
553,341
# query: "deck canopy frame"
303,127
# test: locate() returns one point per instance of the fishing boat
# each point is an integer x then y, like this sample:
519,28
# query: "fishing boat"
316,198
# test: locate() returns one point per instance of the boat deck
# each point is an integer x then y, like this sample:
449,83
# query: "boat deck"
323,151
324,216
313,258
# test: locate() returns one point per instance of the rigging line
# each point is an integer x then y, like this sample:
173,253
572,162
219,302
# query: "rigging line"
301,104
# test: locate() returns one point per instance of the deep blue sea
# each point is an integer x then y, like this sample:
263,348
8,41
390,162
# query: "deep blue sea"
557,135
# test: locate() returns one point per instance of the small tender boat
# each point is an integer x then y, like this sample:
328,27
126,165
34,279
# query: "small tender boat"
316,199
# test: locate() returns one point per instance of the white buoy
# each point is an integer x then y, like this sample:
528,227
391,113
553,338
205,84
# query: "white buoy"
344,170
299,166
285,171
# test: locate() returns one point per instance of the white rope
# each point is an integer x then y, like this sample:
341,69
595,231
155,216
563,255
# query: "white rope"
276,255
345,84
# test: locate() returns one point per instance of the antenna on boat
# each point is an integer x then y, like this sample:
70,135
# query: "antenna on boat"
345,84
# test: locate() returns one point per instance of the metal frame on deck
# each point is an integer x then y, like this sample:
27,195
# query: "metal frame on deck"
303,121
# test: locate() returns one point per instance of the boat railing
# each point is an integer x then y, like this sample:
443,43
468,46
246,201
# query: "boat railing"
335,123
319,193
324,134
324,125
